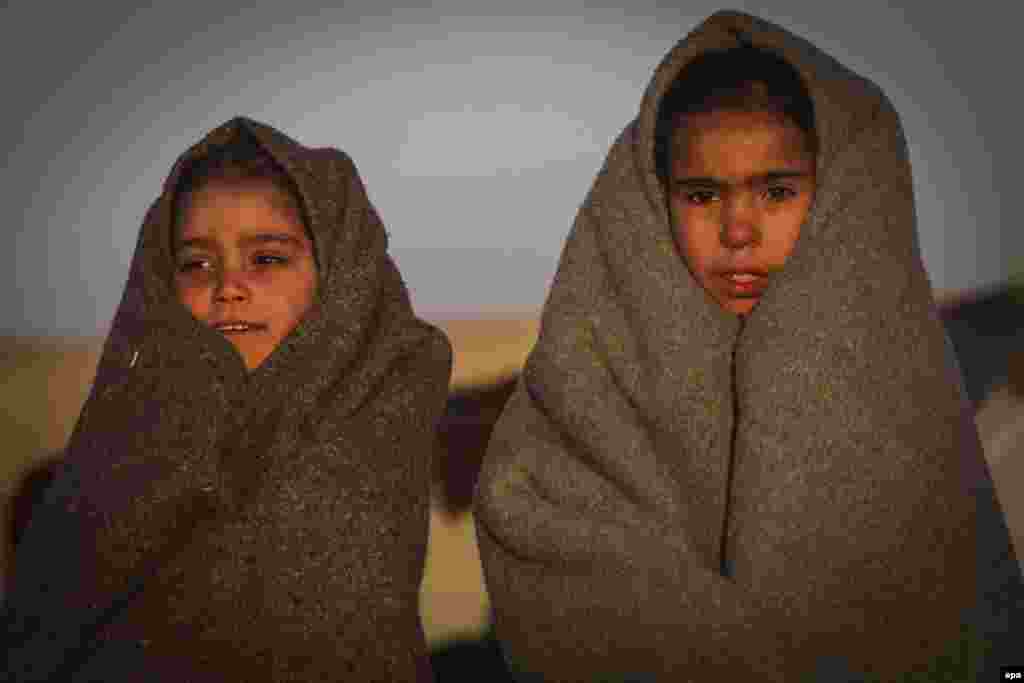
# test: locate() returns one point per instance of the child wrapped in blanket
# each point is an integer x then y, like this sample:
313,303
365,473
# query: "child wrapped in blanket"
741,449
245,496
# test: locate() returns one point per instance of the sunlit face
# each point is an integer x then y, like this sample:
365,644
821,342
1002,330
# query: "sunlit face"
245,264
741,184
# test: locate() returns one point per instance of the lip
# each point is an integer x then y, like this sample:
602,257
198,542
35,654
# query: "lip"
238,327
744,284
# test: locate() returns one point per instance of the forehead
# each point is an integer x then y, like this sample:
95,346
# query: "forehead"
238,204
733,140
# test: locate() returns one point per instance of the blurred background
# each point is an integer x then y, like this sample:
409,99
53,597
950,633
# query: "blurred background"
478,128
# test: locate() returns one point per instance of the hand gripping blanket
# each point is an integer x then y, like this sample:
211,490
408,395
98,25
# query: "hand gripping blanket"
214,524
677,493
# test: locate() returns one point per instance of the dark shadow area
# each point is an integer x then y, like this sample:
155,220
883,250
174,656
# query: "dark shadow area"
985,328
28,493
463,434
470,660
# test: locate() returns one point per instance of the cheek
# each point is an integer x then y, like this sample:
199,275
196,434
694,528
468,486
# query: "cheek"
696,236
294,296
304,297
196,298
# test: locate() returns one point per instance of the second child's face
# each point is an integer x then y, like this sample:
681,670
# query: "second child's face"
245,264
740,186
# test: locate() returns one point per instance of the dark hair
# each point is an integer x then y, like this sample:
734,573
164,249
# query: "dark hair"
240,159
743,78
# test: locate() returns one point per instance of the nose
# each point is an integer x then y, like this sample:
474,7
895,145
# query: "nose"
739,222
231,286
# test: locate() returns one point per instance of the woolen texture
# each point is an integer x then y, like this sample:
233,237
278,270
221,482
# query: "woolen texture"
678,493
214,524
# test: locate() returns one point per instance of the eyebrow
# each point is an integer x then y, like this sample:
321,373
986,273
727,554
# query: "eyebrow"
248,240
759,179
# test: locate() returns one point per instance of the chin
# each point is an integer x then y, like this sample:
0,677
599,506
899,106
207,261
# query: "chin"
252,358
740,306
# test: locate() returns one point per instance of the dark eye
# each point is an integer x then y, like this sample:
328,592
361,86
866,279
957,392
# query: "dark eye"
269,259
194,264
779,193
700,197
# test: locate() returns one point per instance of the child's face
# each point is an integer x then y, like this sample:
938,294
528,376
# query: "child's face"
245,264
740,186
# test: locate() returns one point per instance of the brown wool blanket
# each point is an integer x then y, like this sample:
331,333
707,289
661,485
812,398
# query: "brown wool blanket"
676,493
210,524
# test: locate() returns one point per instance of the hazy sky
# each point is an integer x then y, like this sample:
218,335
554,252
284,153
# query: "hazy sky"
476,126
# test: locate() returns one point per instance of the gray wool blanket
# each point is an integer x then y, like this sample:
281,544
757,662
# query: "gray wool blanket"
214,524
677,493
